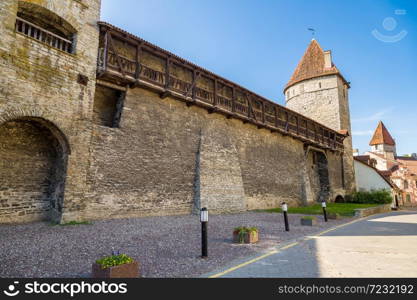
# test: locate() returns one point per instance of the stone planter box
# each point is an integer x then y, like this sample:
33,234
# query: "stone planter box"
333,216
122,271
248,237
364,212
308,222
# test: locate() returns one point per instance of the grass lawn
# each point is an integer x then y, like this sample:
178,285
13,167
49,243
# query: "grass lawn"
343,209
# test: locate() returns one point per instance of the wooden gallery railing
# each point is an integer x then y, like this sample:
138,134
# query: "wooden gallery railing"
242,103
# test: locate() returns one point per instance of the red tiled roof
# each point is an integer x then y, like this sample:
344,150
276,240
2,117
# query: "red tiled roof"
311,65
409,162
385,173
364,158
344,132
381,136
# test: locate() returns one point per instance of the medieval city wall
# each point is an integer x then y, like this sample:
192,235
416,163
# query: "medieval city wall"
71,149
168,158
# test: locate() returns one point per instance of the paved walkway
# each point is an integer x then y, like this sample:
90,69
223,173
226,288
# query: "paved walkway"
378,246
168,246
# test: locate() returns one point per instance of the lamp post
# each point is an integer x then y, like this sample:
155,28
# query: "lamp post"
204,220
284,208
323,204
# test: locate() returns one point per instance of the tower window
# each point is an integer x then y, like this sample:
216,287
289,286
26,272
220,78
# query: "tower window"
319,85
45,26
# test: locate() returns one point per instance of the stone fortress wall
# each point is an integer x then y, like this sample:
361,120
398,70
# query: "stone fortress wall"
72,148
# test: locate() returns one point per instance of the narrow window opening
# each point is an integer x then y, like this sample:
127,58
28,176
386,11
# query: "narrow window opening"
37,22
108,106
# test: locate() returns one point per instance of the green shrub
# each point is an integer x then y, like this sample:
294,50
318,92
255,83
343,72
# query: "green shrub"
72,223
371,197
114,260
241,231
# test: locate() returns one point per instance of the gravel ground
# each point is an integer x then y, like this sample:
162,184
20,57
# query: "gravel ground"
164,246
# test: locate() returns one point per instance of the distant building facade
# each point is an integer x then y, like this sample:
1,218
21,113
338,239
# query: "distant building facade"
368,178
400,170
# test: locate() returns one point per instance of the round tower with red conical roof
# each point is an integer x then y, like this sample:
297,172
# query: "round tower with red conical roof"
318,90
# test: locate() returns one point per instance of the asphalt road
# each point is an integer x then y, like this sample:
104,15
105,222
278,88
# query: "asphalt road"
379,246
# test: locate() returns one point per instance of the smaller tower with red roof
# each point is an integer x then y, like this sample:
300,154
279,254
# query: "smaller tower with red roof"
382,142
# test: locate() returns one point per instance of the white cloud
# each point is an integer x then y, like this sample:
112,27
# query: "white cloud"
362,133
374,117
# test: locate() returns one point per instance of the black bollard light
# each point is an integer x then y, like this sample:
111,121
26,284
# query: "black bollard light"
323,204
284,208
204,220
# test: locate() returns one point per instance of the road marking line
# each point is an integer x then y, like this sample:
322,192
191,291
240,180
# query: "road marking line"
280,249
243,264
337,227
289,246
253,260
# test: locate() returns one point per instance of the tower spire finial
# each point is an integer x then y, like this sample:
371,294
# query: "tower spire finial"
313,32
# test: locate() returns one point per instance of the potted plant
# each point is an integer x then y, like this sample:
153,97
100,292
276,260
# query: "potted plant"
308,221
245,235
115,266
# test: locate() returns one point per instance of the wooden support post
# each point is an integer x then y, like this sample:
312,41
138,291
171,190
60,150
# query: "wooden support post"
191,89
233,99
263,112
276,116
298,125
194,84
249,106
307,135
138,57
106,50
286,121
167,70
119,62
251,113
215,93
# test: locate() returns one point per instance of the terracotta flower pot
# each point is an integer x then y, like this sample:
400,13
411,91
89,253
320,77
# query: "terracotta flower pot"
130,270
248,237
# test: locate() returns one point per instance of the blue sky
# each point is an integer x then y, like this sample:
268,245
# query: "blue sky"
258,44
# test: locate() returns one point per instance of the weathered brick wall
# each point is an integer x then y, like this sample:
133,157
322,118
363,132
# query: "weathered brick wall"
167,158
218,182
27,157
39,81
